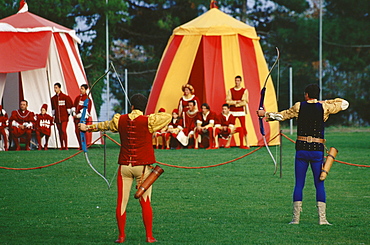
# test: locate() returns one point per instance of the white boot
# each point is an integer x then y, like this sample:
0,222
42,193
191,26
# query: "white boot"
297,209
321,209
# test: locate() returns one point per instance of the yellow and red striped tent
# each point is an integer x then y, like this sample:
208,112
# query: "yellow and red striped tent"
208,52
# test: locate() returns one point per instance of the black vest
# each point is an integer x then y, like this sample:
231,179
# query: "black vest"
310,123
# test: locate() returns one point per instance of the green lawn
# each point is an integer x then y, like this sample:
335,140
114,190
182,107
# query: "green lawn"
238,203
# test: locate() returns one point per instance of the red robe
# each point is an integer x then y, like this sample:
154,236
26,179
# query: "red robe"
183,104
44,123
189,122
21,118
61,104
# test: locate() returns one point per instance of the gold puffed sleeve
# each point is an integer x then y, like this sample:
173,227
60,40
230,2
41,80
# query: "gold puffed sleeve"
111,125
334,106
158,121
290,113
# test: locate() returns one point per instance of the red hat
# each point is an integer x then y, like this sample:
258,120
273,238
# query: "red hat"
45,106
162,110
176,111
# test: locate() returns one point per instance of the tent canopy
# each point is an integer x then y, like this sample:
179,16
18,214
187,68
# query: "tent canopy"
208,52
35,53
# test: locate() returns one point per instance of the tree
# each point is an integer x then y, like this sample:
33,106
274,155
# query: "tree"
139,42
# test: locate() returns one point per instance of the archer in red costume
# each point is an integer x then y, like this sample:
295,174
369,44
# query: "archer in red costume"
135,157
61,105
3,124
237,98
204,125
21,122
77,111
43,127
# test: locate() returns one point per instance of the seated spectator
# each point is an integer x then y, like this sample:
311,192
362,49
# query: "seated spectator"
21,122
3,126
204,126
174,128
188,124
225,126
43,127
159,136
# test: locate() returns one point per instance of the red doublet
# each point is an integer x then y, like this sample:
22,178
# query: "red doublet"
136,141
175,123
226,120
44,123
237,95
205,119
61,103
79,103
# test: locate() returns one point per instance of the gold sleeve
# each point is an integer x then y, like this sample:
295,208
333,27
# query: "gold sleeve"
333,106
158,121
111,125
290,113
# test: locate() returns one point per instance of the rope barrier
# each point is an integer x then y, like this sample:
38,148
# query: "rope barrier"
208,166
52,164
347,163
175,166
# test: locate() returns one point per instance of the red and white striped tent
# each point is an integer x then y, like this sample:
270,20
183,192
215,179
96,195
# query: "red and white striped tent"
34,54
208,52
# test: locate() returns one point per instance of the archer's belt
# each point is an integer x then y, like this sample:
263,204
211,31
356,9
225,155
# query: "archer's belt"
310,139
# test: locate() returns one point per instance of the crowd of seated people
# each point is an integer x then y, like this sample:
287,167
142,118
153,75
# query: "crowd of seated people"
195,125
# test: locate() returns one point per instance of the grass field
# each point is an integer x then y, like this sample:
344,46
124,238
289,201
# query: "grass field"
238,203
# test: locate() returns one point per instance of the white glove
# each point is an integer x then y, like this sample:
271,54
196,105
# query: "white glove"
275,116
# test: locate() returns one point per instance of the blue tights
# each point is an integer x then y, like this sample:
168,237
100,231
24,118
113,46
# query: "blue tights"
302,160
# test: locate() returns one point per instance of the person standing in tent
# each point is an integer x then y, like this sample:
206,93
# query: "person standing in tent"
237,98
3,125
135,157
43,126
61,105
21,122
189,95
77,110
311,115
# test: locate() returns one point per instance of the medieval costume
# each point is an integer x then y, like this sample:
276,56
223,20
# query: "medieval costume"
135,159
21,125
61,105
312,115
43,127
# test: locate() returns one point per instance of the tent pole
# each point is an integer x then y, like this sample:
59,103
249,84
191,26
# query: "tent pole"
291,96
126,86
320,51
